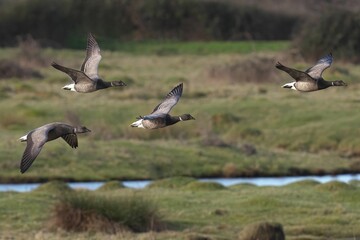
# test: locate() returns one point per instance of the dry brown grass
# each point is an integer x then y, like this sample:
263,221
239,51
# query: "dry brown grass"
30,53
256,69
263,231
74,219
87,212
11,69
230,170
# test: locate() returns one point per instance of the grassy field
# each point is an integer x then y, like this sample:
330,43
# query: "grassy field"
246,125
307,210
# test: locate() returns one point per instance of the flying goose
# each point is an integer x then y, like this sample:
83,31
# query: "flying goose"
311,79
87,79
160,117
38,137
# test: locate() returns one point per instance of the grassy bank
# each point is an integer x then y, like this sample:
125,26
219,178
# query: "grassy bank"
246,125
307,210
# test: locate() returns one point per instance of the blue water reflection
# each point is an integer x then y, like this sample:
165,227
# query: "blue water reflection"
261,181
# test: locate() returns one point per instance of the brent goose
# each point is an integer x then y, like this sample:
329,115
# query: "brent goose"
87,79
38,137
311,79
160,117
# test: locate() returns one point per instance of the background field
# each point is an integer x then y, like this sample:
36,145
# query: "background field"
246,124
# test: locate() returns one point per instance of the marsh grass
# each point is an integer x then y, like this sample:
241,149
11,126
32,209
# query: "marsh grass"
85,211
305,211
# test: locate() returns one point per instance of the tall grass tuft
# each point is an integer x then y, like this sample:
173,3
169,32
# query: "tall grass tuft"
30,53
85,211
264,231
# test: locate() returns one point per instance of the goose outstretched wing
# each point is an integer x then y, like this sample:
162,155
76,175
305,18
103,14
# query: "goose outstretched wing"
295,74
75,75
35,141
92,59
170,101
317,70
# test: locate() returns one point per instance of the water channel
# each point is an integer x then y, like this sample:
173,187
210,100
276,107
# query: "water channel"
259,181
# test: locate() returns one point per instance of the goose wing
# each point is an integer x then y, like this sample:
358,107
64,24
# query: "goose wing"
75,75
71,139
317,70
295,74
169,102
35,141
92,59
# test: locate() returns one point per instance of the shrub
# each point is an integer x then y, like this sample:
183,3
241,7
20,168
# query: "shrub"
337,31
263,231
86,211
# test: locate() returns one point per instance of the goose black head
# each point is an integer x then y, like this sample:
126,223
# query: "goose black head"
81,129
186,117
118,83
339,83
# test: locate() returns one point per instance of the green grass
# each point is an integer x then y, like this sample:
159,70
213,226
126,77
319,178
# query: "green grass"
292,133
305,212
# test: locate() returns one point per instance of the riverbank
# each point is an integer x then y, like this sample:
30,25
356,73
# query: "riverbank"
190,209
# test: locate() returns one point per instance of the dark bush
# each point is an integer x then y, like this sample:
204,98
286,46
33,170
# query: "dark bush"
337,31
67,22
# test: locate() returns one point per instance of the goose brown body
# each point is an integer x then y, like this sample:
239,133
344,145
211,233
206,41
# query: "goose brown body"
160,116
311,79
87,79
38,137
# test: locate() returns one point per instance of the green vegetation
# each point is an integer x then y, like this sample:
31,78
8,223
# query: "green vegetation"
246,124
311,212
335,31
